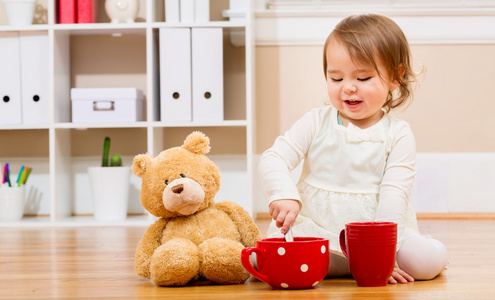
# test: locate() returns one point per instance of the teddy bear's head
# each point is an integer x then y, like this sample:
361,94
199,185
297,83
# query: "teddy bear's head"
180,181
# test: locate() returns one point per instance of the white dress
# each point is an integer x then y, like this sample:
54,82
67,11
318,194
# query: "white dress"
349,174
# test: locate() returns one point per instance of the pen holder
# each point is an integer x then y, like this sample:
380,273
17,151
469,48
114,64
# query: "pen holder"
11,203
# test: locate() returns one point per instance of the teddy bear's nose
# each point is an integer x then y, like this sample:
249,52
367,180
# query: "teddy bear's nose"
178,188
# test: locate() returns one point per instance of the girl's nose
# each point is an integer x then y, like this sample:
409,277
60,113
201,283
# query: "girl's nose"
350,88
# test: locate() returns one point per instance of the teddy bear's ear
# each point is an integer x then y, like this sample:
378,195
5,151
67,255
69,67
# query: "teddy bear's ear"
140,164
197,143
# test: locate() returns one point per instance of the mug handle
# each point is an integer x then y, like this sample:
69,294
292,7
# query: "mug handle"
343,246
246,262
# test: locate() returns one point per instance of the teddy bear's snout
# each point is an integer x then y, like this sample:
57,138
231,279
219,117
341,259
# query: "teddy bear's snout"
178,188
183,195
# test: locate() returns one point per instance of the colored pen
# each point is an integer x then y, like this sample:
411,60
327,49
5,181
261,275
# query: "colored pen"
5,173
23,177
27,175
20,175
8,174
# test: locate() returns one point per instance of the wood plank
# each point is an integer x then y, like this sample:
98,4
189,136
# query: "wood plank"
97,262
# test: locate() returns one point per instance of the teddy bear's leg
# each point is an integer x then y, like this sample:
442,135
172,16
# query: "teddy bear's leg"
221,261
175,263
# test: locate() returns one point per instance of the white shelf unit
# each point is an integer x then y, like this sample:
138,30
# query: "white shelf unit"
60,138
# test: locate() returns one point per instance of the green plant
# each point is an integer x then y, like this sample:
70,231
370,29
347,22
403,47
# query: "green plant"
116,160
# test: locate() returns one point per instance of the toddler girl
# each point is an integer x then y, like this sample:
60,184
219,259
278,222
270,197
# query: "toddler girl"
359,161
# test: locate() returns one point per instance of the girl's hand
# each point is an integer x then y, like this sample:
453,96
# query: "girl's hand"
399,275
284,212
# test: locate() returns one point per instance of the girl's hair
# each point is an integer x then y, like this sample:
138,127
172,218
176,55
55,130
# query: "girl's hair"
371,36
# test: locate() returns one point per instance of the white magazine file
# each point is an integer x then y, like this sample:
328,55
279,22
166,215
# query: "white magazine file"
34,77
172,11
175,74
10,79
207,74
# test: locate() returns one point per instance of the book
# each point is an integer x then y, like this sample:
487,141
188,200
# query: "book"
66,11
87,11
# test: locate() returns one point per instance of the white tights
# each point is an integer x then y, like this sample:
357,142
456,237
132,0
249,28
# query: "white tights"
422,258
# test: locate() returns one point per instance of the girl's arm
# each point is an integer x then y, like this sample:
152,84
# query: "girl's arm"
277,163
398,179
396,187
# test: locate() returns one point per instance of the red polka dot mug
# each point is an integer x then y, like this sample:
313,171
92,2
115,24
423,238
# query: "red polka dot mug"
289,265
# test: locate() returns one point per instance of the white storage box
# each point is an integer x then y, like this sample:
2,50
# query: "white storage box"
106,105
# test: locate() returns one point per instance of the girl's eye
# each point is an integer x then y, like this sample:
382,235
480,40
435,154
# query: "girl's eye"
336,79
166,182
364,79
182,175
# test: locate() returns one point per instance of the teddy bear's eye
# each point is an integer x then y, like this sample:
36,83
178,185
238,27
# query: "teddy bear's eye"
166,182
182,175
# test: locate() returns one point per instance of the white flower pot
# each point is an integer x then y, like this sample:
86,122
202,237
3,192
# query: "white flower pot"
11,204
110,191
20,12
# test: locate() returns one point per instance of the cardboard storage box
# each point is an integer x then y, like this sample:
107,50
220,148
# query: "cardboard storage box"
106,105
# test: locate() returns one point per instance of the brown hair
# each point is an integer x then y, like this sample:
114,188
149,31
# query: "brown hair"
368,35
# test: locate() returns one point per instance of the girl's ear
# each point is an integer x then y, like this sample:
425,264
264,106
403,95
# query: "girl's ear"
396,82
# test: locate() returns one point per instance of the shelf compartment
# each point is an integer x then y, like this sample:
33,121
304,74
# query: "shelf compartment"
97,61
234,77
77,150
103,18
29,148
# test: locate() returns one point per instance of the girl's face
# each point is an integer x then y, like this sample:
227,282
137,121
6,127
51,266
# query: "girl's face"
356,90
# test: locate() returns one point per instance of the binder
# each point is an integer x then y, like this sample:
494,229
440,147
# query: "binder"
66,11
34,77
87,11
201,11
187,11
172,12
175,74
10,79
207,74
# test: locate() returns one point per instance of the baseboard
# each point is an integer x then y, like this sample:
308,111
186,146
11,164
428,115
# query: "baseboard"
424,216
456,216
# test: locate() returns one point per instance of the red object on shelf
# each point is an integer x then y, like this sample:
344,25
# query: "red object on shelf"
66,11
87,11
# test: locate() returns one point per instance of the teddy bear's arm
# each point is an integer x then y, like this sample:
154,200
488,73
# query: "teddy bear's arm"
245,224
151,240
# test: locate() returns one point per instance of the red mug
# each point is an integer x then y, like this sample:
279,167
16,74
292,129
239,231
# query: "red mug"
370,248
300,264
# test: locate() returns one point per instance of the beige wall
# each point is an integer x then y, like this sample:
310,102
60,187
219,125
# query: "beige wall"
453,109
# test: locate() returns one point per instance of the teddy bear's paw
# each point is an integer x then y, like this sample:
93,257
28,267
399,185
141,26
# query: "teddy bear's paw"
175,263
221,261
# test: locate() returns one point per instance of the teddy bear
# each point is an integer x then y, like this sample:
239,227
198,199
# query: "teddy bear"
193,238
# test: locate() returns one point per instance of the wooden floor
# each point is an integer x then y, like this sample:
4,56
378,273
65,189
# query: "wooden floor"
97,262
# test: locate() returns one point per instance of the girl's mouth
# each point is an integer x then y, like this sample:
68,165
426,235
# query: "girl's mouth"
352,103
